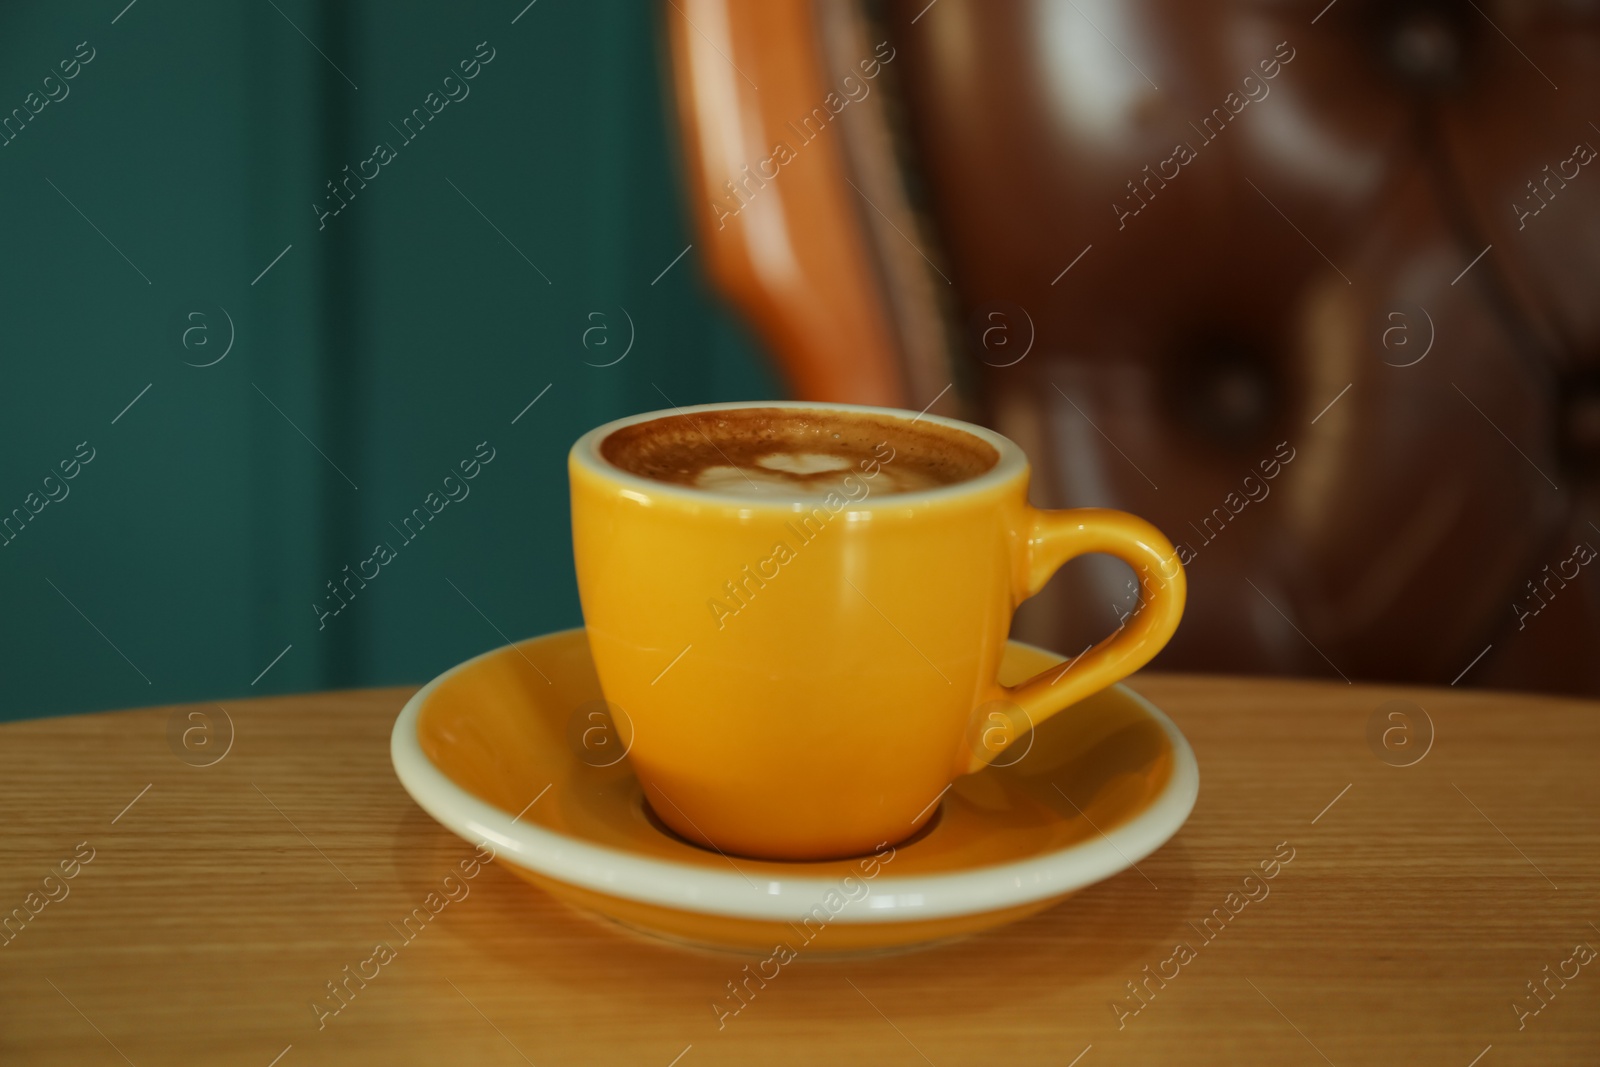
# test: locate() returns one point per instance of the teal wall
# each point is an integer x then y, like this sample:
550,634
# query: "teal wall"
397,336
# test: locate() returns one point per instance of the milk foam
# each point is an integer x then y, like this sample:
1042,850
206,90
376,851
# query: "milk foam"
806,476
803,462
745,481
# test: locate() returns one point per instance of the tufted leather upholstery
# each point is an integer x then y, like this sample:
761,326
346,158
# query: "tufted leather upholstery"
1191,244
1307,249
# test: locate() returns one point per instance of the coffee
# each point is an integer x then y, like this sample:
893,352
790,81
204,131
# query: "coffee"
796,453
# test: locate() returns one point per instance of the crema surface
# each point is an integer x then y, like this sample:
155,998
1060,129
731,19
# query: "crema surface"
796,453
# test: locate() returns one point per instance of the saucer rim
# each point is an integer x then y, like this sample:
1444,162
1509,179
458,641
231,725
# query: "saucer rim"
893,897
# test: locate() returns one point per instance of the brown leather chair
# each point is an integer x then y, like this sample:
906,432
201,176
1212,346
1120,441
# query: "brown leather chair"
1315,291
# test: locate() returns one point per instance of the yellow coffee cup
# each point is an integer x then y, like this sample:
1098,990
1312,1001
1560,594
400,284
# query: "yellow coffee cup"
804,680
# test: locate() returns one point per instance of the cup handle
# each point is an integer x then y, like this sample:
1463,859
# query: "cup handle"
1053,538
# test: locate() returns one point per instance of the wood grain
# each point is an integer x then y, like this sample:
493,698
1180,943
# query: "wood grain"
218,905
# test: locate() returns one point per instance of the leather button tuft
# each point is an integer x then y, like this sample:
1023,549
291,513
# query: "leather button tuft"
1225,391
1426,44
1580,426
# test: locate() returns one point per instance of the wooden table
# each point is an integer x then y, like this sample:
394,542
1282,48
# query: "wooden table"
220,899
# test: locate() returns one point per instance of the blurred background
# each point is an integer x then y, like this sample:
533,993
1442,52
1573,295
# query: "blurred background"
383,346
1311,286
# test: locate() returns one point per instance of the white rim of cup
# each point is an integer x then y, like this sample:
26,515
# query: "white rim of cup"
1012,461
689,887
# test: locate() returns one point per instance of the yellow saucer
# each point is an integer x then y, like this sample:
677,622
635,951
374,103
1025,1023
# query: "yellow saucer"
507,749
